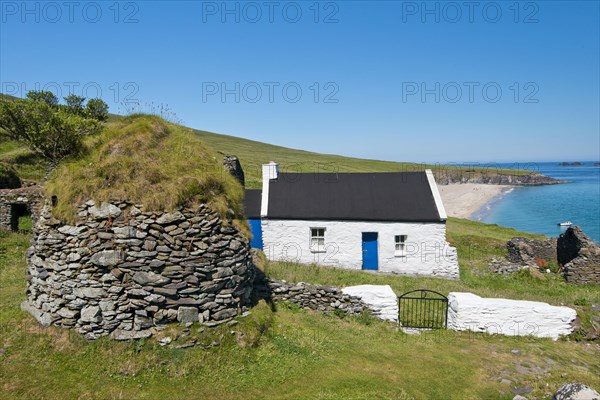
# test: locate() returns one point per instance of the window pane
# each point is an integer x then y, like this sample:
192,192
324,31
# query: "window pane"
317,232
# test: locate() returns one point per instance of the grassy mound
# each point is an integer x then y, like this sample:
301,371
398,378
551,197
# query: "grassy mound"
146,160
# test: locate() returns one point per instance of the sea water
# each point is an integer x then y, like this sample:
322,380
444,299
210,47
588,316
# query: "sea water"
538,209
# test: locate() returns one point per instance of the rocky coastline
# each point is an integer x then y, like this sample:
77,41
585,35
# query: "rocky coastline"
532,179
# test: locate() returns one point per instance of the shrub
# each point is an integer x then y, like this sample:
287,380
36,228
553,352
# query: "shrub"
51,131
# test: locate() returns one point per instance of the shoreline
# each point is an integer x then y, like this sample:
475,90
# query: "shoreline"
465,200
487,207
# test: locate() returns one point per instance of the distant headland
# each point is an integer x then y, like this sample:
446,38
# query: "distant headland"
577,164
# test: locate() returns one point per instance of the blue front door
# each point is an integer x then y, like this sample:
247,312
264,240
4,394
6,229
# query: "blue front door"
256,230
369,251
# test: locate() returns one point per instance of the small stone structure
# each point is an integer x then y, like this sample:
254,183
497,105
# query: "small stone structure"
467,311
573,250
528,251
580,256
122,271
15,203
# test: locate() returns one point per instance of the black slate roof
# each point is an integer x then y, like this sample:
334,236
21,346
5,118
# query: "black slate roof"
393,196
252,203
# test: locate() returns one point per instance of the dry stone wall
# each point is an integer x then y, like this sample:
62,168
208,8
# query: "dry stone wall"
233,166
121,271
13,200
316,297
531,251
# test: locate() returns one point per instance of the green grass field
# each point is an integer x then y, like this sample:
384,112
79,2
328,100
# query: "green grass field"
297,354
289,353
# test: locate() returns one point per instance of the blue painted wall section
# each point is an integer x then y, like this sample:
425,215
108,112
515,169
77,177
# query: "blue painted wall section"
256,230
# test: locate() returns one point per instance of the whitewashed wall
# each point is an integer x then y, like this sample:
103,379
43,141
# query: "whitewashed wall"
467,311
380,298
428,252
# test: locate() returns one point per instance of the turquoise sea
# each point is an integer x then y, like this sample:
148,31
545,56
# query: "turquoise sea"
538,209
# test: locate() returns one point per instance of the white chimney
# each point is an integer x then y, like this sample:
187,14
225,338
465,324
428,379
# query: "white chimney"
269,171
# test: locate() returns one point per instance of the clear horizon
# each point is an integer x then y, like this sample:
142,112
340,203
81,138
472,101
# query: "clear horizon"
405,81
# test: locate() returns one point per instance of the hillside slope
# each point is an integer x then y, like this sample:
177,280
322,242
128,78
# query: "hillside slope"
253,154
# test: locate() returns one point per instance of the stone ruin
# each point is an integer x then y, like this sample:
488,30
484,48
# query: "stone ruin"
531,251
525,253
579,255
574,251
15,203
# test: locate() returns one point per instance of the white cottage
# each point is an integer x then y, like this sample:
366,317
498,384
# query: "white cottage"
389,222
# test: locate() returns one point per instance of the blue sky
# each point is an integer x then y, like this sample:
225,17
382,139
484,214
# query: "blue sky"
404,81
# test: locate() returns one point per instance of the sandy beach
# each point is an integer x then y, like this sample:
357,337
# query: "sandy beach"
462,200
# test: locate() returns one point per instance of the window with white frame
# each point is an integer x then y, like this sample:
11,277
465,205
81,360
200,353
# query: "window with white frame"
317,239
400,250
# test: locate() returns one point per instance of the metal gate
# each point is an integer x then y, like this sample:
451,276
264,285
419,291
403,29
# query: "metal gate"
423,309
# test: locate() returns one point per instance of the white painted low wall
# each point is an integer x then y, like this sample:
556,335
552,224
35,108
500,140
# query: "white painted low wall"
380,298
467,311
